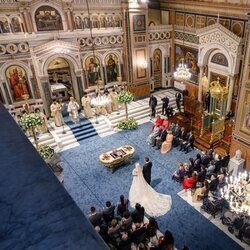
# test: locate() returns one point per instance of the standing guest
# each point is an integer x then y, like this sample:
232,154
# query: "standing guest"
167,145
170,111
190,166
152,105
73,107
197,163
122,206
178,100
114,100
125,243
114,228
151,227
108,212
214,183
55,109
138,235
202,174
210,153
185,92
205,159
126,221
87,111
165,102
94,217
138,213
190,142
207,101
190,182
176,133
146,170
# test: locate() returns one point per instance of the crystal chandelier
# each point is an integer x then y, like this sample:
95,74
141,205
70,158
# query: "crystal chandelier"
237,193
182,73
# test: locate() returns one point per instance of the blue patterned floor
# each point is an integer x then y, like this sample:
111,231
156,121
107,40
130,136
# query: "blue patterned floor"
91,184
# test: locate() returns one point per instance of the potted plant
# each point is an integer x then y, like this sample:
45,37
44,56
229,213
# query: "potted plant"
125,97
29,122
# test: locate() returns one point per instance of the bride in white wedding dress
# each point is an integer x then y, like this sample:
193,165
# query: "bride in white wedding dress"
155,204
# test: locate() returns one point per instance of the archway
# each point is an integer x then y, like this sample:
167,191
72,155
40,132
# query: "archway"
157,68
60,79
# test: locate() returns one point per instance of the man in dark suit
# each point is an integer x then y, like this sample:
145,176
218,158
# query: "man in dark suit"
176,132
207,101
165,102
218,164
161,138
190,142
94,217
138,214
139,234
178,100
226,160
182,137
108,212
152,105
146,171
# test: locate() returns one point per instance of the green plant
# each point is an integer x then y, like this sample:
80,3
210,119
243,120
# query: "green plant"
130,124
46,152
125,97
31,121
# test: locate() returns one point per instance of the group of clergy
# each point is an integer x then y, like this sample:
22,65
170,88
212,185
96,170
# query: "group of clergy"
104,104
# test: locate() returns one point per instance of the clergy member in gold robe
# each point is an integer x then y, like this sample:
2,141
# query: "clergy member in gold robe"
43,128
114,100
73,108
55,109
87,111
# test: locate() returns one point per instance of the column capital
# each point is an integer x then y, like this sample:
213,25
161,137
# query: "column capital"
201,65
78,72
44,78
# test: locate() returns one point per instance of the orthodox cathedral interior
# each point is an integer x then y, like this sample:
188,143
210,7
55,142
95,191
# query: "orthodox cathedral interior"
73,53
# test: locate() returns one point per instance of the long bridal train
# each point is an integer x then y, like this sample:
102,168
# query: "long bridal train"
155,204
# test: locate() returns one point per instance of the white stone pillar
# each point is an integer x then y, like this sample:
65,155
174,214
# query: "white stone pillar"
200,84
230,93
69,20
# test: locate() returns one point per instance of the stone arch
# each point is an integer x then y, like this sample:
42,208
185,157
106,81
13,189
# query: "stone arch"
206,51
98,55
112,52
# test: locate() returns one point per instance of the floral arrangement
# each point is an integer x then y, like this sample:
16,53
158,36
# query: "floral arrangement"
130,124
125,97
30,120
46,152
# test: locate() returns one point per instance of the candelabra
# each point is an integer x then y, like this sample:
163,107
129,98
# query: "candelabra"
237,193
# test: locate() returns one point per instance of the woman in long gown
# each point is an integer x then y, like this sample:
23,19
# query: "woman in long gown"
167,145
155,204
87,107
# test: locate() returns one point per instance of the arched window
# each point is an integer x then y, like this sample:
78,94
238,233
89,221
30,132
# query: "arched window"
47,19
220,59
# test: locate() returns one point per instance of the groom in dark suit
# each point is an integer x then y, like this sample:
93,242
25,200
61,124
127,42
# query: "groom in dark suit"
146,171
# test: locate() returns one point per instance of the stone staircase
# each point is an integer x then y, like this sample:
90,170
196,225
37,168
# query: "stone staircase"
45,139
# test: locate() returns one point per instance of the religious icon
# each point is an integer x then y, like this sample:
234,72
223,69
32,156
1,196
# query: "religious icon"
4,25
48,18
18,83
78,22
117,21
157,60
86,23
16,26
110,21
93,69
95,22
139,23
245,127
112,67
103,22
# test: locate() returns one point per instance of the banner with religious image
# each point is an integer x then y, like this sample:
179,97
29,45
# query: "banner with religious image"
18,83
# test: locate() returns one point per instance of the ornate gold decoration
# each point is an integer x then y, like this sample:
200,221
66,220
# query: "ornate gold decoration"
216,90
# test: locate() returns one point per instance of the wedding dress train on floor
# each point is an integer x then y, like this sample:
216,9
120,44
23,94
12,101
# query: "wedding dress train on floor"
155,204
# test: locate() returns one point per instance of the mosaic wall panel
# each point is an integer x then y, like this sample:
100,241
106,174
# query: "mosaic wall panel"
189,20
200,22
187,37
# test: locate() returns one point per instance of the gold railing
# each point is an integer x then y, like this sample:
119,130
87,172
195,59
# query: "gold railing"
218,128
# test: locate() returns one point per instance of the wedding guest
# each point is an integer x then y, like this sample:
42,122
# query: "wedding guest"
170,111
73,108
197,163
202,174
126,241
201,192
214,183
182,137
165,123
166,242
126,221
158,121
108,212
114,227
161,138
178,100
87,111
190,166
225,160
152,105
189,142
211,168
151,138
138,213
179,173
165,102
218,164
211,153
205,159
138,235
190,182
55,109
94,217
122,206
167,144
151,227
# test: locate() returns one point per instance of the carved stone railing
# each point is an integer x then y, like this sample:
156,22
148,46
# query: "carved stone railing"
97,2
159,28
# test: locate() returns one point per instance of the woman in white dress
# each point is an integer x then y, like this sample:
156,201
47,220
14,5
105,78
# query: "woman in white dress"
155,204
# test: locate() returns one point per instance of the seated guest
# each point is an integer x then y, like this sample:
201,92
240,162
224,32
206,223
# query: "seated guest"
126,221
122,206
211,168
213,185
202,174
125,243
197,163
218,164
165,123
221,177
205,159
182,136
151,138
180,173
94,217
138,213
201,192
190,167
210,153
189,143
167,144
108,212
139,234
171,126
151,227
190,182
170,111
225,160
104,232
166,242
114,232
161,138
176,133
158,121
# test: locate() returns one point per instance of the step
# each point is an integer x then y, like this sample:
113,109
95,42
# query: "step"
83,132
79,128
67,142
83,137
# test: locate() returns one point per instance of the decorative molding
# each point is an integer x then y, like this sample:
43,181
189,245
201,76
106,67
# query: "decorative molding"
186,37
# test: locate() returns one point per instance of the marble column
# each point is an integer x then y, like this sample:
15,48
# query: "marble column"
23,22
69,20
200,84
79,80
27,21
46,94
230,93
